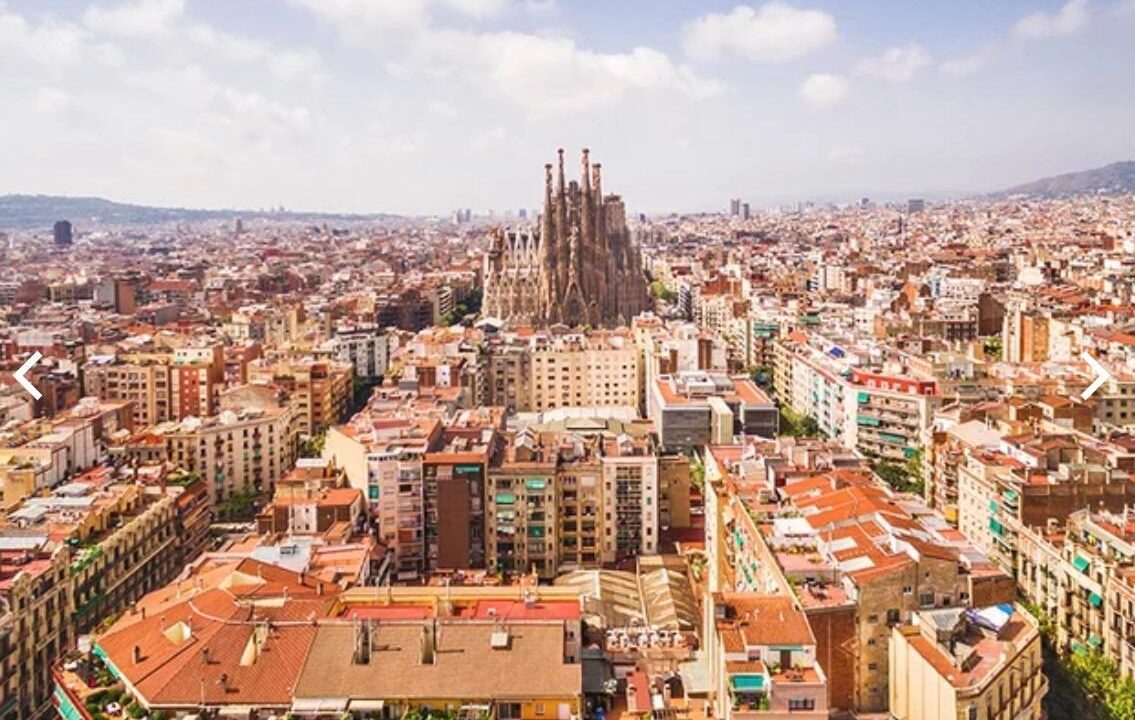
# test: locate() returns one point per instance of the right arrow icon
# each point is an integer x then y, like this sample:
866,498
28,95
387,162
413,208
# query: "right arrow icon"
1101,375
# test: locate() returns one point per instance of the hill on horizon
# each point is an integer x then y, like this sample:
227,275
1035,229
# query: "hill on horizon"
1113,179
27,212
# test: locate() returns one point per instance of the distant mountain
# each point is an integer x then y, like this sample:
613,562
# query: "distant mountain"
26,212
1113,179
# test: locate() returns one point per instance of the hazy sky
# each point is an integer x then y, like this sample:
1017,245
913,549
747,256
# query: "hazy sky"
419,106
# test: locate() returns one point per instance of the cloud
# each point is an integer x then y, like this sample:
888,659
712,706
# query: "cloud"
1068,20
135,18
824,90
897,64
774,32
48,44
548,74
543,74
962,66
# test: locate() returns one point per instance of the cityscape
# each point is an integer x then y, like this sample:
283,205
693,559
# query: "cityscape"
572,428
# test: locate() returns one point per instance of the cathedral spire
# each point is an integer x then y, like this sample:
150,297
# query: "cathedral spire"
560,184
586,171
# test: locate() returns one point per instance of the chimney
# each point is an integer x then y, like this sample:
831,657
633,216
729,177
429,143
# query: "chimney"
428,644
136,654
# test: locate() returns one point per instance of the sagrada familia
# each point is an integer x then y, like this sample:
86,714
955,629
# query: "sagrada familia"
578,268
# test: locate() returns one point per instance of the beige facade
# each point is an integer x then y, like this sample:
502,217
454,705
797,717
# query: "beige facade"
320,391
947,666
542,372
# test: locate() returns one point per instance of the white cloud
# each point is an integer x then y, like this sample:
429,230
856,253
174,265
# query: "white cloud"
824,90
135,18
1068,20
962,66
548,75
543,74
51,100
897,64
774,32
47,44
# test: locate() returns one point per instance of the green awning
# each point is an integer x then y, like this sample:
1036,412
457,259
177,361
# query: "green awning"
1010,495
863,397
892,438
535,483
506,499
867,420
1095,600
1095,641
748,683
535,532
1081,564
1079,648
993,506
996,527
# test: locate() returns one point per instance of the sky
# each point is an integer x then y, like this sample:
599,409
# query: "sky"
422,106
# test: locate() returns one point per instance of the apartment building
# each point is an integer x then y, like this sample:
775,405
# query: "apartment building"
537,371
869,403
693,409
383,457
1079,575
37,455
979,663
242,449
320,391
1036,477
35,587
454,473
561,500
162,383
366,347
858,557
762,652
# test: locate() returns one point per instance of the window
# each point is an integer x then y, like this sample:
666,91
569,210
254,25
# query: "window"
801,704
872,619
508,711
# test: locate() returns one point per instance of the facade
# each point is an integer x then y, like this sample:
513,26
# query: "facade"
580,267
693,409
763,655
558,501
233,452
365,347
384,459
540,371
980,664
320,391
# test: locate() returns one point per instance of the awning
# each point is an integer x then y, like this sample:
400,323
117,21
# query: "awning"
367,704
1095,641
535,483
506,499
317,705
1095,600
1081,564
996,527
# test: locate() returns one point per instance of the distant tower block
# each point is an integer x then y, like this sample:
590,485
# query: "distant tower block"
577,266
62,232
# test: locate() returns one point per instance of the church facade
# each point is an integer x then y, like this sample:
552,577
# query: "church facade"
577,267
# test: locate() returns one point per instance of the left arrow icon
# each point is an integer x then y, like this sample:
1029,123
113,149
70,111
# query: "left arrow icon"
23,381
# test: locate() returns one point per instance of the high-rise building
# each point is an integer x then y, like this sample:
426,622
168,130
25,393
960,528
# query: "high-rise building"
62,232
734,206
579,267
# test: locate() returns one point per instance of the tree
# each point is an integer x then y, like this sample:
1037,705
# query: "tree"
794,424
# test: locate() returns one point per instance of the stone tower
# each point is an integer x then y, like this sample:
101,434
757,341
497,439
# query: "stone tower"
579,267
